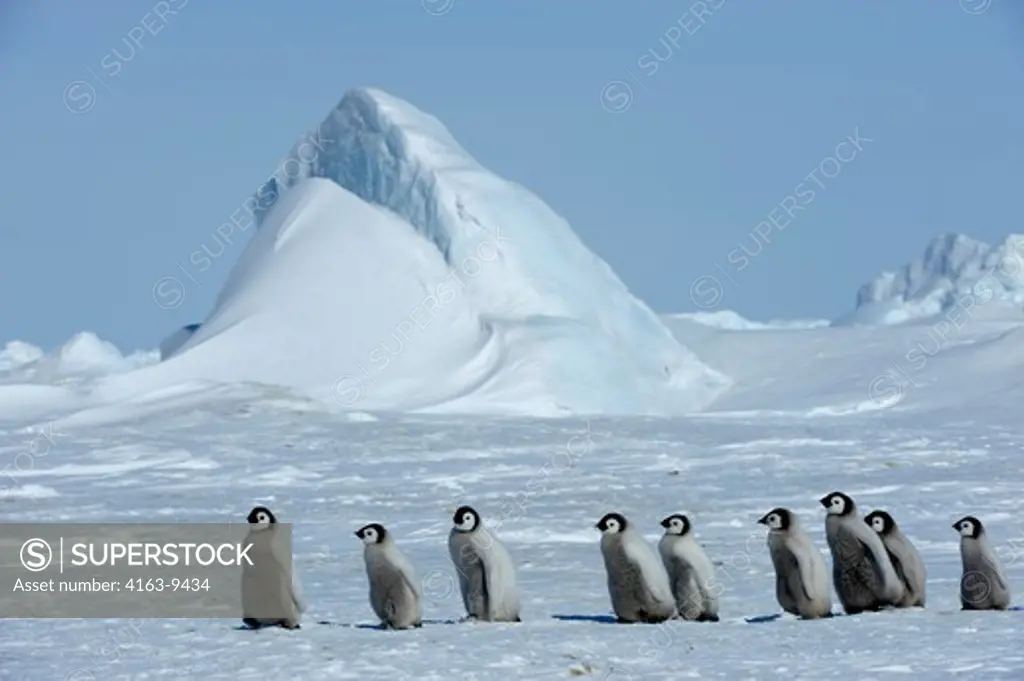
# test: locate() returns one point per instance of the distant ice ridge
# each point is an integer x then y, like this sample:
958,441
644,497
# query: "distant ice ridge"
733,321
83,355
36,385
391,271
955,272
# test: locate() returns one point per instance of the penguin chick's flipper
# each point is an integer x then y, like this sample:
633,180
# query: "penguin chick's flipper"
879,572
897,566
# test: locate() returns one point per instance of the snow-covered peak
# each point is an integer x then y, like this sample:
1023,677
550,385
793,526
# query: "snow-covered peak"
414,134
380,148
389,153
590,345
955,270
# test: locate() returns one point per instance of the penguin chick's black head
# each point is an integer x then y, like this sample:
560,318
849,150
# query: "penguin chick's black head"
466,519
969,527
261,515
612,523
881,522
373,533
777,519
837,503
676,524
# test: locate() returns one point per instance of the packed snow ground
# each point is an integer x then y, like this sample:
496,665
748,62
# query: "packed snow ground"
948,447
952,366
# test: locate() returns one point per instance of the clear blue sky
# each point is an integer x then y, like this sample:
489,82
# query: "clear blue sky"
98,206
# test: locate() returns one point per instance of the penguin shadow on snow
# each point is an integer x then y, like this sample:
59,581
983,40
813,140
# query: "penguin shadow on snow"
384,627
351,625
772,617
597,619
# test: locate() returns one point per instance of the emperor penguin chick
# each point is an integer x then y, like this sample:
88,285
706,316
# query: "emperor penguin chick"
394,589
904,558
983,584
271,596
801,578
637,581
487,577
691,573
863,575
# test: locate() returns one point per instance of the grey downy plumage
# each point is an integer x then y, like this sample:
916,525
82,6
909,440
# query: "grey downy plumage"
862,573
691,573
487,576
271,595
904,557
637,582
983,584
394,588
801,577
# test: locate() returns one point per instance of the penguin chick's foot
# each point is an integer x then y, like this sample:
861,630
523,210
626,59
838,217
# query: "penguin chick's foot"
648,618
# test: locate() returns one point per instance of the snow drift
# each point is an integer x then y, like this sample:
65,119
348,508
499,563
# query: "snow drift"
848,370
39,385
734,321
954,272
84,355
392,271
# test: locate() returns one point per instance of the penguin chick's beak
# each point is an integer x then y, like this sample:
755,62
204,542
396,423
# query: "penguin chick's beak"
763,520
956,525
356,533
824,500
665,522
